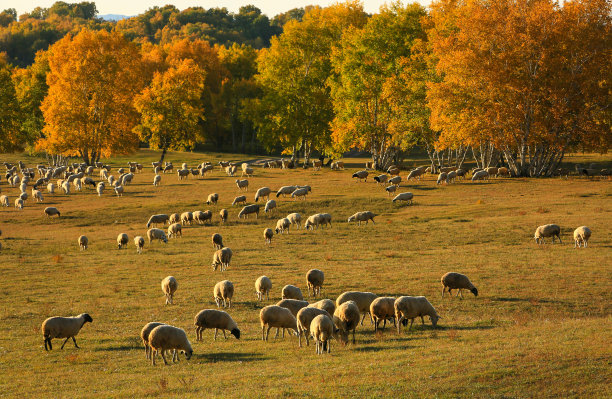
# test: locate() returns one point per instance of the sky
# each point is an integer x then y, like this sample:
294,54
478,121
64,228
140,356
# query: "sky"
134,7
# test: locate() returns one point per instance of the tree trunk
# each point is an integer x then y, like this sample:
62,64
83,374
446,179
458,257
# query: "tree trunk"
163,154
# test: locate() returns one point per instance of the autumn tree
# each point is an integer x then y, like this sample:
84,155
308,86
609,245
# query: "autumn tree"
93,78
11,137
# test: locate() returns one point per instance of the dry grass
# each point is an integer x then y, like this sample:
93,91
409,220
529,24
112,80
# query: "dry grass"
541,327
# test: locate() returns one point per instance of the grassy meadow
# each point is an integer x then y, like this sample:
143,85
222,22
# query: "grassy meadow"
541,326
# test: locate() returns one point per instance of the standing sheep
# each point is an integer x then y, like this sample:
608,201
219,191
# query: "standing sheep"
282,225
285,190
224,291
404,197
322,329
212,198
241,199
186,218
276,316
547,230
169,286
249,210
223,215
363,300
295,219
83,242
457,281
157,219
100,188
292,292
175,230
270,206
217,319
293,305
263,285
37,195
480,175
325,304
263,193
382,308
268,234
346,318
365,216
217,241
139,242
314,280
300,193
164,338
157,180
242,184
304,317
144,335
63,327
19,203
362,174
222,258
52,211
581,236
411,307
122,240
157,234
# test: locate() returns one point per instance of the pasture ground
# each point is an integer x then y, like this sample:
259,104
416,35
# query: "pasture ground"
541,327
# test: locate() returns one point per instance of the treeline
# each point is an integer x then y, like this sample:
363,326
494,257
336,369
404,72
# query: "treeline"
513,82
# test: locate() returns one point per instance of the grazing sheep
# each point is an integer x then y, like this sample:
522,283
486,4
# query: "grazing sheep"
480,175
157,180
139,242
416,174
122,240
249,210
292,292
296,219
315,220
316,164
242,184
322,329
460,173
119,191
202,217
393,170
83,242
365,216
169,286
395,181
268,234
19,203
144,335
492,171
362,174
63,327
223,215
175,230
282,225
157,219
263,285
217,241
346,318
4,200
223,291
325,304
157,234
36,194
51,188
314,280
503,171
304,317
212,198
391,189
164,338
547,230
52,211
441,178
222,257
241,199
276,316
217,319
382,308
186,218
337,165
100,188
404,197
363,300
381,179
581,236
285,190
410,307
174,218
457,281
270,206
450,177
246,171
182,173
300,193
263,193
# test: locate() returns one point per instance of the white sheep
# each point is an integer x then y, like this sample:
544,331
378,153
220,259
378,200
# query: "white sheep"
18,203
157,234
316,220
164,338
322,329
222,258
263,285
249,210
157,180
304,317
363,300
83,242
4,200
404,197
144,335
37,195
395,181
300,193
51,188
480,175
52,211
441,178
157,219
270,206
547,230
337,165
212,198
291,292
295,219
174,218
217,241
242,184
246,171
241,199
175,230
285,190
294,305
139,242
223,292
365,216
268,234
362,174
186,218
169,286
381,179
276,316
217,319
382,308
263,193
202,217
325,304
100,188
223,215
314,281
410,307
282,225
346,318
122,240
457,281
581,236
63,327
119,191
391,190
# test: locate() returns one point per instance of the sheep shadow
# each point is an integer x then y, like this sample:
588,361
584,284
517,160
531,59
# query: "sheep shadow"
230,357
381,348
125,347
538,300
464,328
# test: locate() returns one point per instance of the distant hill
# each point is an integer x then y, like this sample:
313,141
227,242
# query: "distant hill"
113,17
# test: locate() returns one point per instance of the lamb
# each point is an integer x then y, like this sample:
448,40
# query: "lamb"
382,308
169,286
223,291
174,218
144,335
222,257
391,189
119,191
365,216
249,210
19,203
217,319
480,175
314,280
157,180
186,218
270,206
292,292
295,218
83,242
163,338
263,285
410,307
223,215
175,230
100,188
52,211
276,316
363,300
441,178
282,225
346,318
139,242
581,236
381,179
36,194
362,174
242,184
63,327
157,219
202,217
300,193
157,234
212,198
325,304
304,317
285,190
217,241
454,281
122,240
268,234
404,197
322,329
241,199
262,193
547,230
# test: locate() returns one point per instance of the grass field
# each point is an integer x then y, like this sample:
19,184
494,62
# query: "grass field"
541,326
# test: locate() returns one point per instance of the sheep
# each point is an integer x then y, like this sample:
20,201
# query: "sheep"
262,193
450,177
381,179
314,280
346,318
169,286
51,188
459,281
492,171
263,285
111,180
382,308
100,188
295,218
325,304
441,178
460,173
299,193
157,219
217,319
157,234
52,211
83,242
36,194
223,291
369,165
23,187
503,171
285,190
268,234
294,305
175,230
223,215
122,240
144,335
362,174
404,197
63,327
139,242
270,206
248,210
393,170
186,218
480,175
276,316
410,307
247,171
182,173
415,174
217,241
163,338
231,170
202,217
547,230
103,174
395,181
391,189
242,184
282,225
241,199
119,191
322,329
304,317
4,200
157,180
222,257
19,203
365,216
337,165
291,292
581,236
363,300
212,198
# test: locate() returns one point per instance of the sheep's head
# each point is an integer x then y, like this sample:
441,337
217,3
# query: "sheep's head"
236,333
87,318
434,319
474,291
351,218
188,354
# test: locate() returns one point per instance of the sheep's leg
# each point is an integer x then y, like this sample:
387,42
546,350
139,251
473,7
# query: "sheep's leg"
263,333
422,320
66,340
164,357
48,341
384,323
268,332
411,322
363,318
460,293
443,291
153,356
75,344
224,336
300,331
354,336
216,331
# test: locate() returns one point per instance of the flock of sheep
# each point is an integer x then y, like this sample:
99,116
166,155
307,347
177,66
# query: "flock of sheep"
323,319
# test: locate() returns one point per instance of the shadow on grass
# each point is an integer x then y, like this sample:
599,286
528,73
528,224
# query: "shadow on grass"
230,357
381,348
464,328
531,300
115,348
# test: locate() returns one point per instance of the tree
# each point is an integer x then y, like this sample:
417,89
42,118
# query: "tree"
11,138
93,78
171,107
